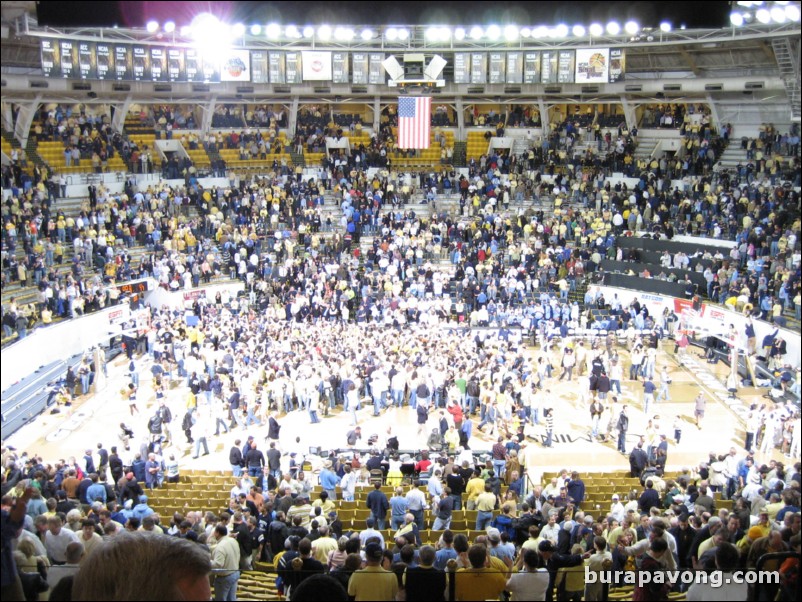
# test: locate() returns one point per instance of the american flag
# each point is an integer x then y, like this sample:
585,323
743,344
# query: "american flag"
414,121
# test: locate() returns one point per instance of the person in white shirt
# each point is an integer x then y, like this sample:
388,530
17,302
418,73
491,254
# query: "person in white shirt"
617,509
530,583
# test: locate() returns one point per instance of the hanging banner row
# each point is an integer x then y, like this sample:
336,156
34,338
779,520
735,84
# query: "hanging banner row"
132,62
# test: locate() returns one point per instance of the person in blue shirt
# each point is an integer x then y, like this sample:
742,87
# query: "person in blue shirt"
329,480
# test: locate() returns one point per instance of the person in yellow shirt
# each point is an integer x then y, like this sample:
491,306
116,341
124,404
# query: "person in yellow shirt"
481,581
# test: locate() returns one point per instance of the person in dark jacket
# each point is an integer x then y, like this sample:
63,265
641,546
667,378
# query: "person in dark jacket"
379,505
235,459
576,489
648,499
554,562
637,460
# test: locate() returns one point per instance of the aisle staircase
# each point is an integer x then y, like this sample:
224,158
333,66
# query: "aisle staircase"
786,51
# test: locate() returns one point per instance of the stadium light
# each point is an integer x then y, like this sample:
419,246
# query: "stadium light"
432,34
539,32
324,32
511,33
596,29
238,30
763,16
444,33
526,32
152,26
737,19
169,27
561,31
459,33
792,12
205,25
613,28
186,31
665,26
578,31
391,34
778,14
403,33
366,34
476,32
493,32
631,27
343,34
309,31
273,31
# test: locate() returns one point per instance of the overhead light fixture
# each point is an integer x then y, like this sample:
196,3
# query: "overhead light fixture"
613,28
459,33
186,31
152,26
444,33
366,34
256,29
526,32
792,12
578,31
238,30
778,14
737,19
476,32
291,31
391,34
493,32
403,33
169,27
539,32
432,34
309,31
324,32
665,26
343,34
763,16
596,29
511,33
561,31
631,27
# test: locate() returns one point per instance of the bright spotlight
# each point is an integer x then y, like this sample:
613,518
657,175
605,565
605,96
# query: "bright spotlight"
665,26
169,27
561,31
792,12
291,31
444,33
459,33
343,34
403,34
578,31
737,19
152,26
613,28
476,32
309,31
763,16
186,31
511,33
596,29
778,14
432,34
366,34
205,26
631,27
541,31
324,32
493,32
238,30
256,29
391,34
526,32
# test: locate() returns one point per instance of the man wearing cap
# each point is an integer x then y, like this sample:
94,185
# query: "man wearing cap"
617,508
329,480
373,582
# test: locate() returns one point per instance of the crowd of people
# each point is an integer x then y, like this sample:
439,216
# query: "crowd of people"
62,520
